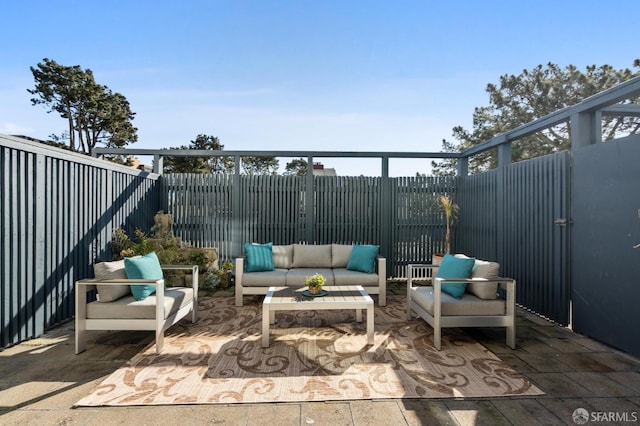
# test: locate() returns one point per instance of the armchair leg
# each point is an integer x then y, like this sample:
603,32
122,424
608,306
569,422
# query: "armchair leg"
238,295
194,311
511,336
81,339
437,337
159,340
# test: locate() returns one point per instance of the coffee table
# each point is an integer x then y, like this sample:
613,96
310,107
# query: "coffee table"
338,297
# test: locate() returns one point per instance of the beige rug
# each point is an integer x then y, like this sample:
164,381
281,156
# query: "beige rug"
314,356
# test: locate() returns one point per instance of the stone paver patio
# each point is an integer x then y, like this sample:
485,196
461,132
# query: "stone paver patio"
41,379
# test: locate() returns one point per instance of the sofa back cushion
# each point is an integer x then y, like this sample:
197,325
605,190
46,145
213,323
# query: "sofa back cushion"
312,256
340,254
282,256
111,271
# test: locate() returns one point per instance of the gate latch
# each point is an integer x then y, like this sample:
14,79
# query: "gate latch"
560,221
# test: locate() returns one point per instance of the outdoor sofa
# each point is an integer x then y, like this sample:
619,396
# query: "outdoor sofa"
266,265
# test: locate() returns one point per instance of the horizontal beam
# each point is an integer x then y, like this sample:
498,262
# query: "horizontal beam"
318,154
623,110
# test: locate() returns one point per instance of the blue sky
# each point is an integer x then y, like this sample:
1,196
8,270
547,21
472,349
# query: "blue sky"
302,75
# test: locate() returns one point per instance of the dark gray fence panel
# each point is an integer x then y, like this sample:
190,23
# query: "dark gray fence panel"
58,213
418,220
345,210
477,224
348,210
509,215
606,228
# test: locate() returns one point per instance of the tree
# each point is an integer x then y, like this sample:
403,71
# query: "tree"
93,112
202,165
296,167
520,99
260,165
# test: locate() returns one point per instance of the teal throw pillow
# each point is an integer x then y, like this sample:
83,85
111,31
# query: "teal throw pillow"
454,267
259,257
145,267
363,258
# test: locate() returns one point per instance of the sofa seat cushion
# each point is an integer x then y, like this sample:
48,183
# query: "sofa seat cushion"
296,277
343,276
277,278
468,304
312,256
129,308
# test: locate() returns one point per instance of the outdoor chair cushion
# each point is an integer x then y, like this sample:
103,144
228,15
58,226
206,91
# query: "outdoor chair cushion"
111,271
467,305
483,270
129,308
455,267
145,267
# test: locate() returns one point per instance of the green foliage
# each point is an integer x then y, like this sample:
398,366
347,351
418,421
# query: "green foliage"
451,210
520,99
260,165
201,165
316,280
296,167
169,251
93,112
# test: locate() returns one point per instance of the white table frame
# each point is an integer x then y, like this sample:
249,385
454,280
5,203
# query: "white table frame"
339,297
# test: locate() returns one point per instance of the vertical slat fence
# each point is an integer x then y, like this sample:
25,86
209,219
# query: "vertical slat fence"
58,212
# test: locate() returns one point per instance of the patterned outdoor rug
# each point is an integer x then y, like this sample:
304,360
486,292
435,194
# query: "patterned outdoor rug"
314,356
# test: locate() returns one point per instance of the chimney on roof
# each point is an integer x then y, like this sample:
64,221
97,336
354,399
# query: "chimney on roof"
318,166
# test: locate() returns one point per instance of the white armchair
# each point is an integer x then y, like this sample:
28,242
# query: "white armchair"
157,312
441,310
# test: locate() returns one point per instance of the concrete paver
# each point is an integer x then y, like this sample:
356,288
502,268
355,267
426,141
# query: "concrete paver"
40,380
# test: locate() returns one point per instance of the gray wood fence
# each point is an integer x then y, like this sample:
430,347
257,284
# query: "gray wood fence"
399,214
58,212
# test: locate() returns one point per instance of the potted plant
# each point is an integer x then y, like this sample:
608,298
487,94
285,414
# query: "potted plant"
225,274
315,283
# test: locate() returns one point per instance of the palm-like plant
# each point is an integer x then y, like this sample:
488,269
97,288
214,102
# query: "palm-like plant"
451,213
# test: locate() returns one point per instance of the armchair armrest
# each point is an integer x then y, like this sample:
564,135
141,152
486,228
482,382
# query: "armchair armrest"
194,272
